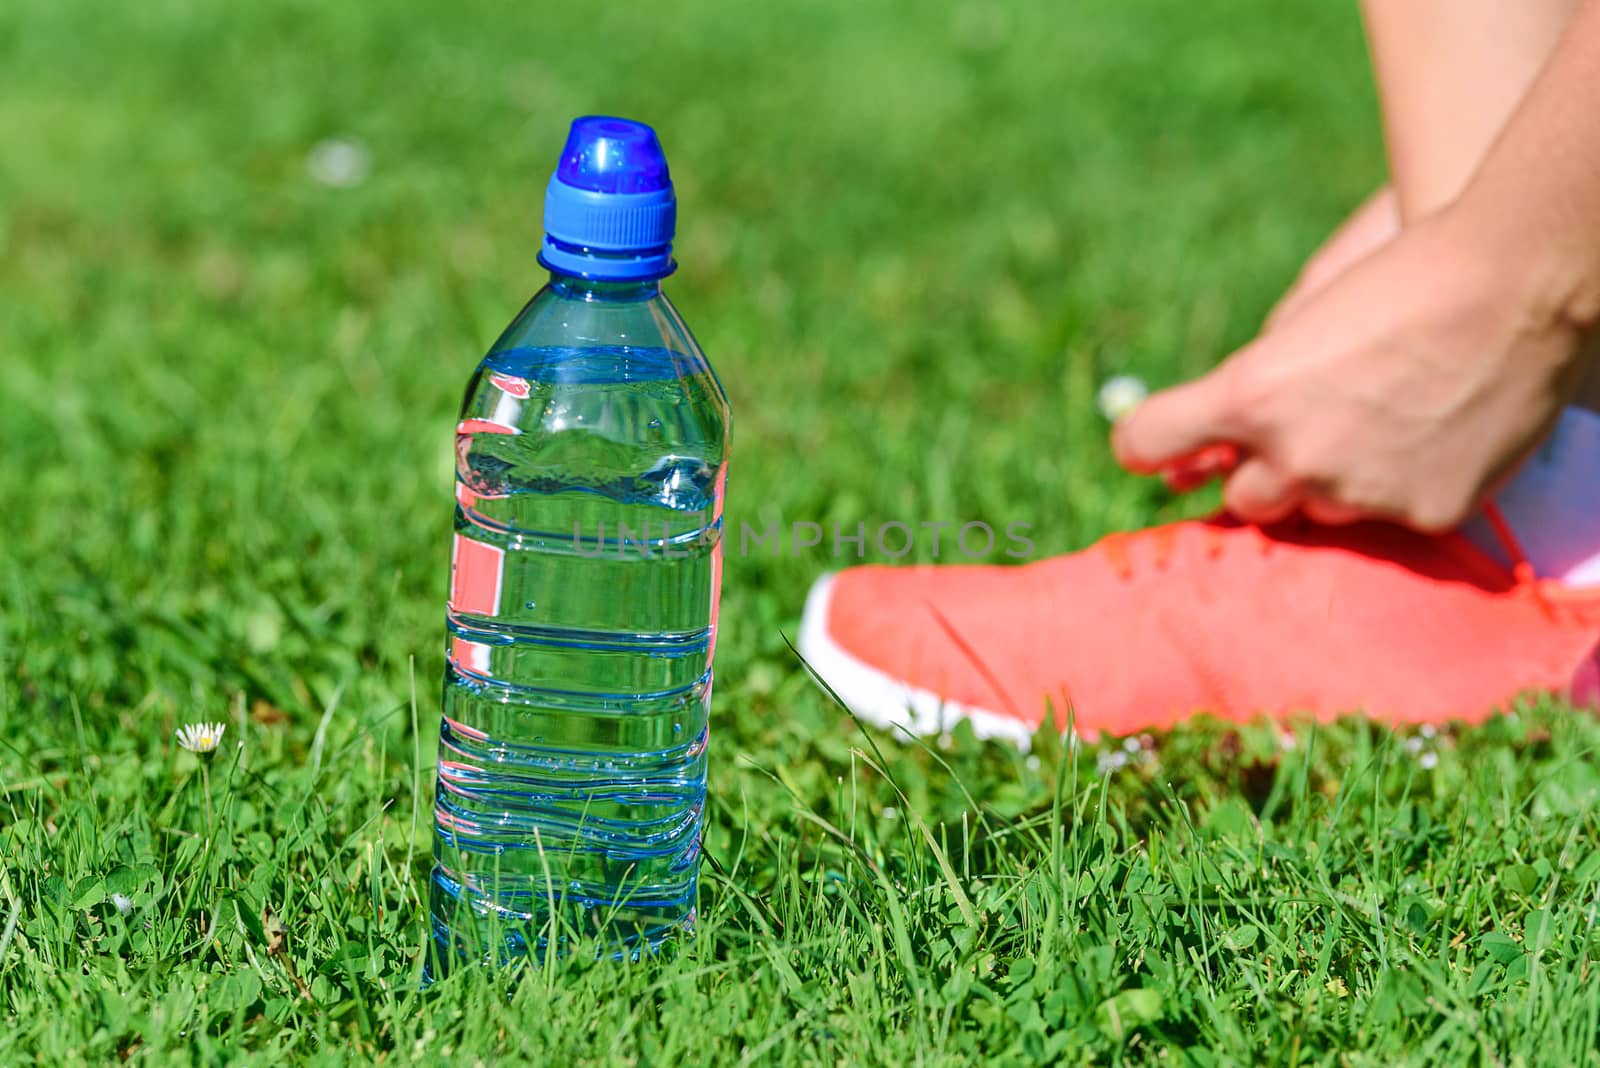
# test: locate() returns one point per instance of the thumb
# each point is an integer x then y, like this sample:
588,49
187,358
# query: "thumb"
1177,423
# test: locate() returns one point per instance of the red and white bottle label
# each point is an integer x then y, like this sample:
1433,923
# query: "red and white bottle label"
476,571
465,431
517,387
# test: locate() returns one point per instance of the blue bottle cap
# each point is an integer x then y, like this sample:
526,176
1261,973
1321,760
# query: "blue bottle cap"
609,210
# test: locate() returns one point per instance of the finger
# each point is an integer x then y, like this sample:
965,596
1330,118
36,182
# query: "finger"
1331,513
1257,494
1175,423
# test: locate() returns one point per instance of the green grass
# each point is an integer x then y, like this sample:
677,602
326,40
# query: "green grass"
915,239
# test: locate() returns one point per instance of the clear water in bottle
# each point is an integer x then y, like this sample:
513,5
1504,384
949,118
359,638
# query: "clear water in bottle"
590,472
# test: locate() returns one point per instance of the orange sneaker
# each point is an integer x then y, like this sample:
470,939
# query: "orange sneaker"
1145,630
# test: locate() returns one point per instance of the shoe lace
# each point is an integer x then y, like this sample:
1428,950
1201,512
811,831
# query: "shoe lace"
1521,569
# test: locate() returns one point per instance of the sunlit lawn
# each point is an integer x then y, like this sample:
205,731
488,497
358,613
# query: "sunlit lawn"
914,242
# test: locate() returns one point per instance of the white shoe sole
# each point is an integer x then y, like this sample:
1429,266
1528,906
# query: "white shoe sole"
881,699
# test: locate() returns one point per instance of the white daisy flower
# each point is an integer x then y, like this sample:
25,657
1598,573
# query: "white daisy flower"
201,737
338,163
123,903
1121,395
1429,760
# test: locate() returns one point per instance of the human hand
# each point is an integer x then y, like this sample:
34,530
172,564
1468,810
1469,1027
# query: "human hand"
1372,224
1404,389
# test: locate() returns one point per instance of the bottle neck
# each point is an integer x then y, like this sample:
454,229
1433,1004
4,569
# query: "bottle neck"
571,287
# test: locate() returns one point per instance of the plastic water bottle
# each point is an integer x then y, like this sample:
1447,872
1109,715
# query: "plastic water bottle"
591,463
